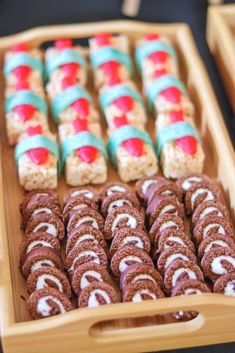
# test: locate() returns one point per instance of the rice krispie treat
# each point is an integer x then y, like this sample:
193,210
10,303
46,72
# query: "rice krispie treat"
73,102
132,153
178,146
63,60
37,157
22,110
48,302
168,93
84,156
155,56
78,125
24,85
120,103
22,64
110,59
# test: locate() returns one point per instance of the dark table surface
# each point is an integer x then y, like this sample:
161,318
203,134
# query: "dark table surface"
18,15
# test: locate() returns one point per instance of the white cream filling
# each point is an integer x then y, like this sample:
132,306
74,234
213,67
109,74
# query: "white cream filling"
173,257
168,208
86,253
41,282
40,264
167,192
146,184
132,238
51,229
84,281
118,203
179,272
44,309
217,242
190,291
93,302
200,191
217,267
85,192
190,181
42,210
115,188
175,239
85,220
131,221
143,277
78,207
167,225
137,297
85,237
123,265
34,243
230,288
211,226
209,210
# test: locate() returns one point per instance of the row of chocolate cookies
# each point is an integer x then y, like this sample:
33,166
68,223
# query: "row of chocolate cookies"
130,246
86,249
40,260
212,231
172,249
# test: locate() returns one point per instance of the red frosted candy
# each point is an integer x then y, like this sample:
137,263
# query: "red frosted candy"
124,103
152,36
22,85
134,146
21,47
25,111
159,72
68,81
87,153
114,81
173,94
176,116
111,69
82,107
158,57
62,44
39,155
70,69
22,72
103,39
120,121
80,125
188,144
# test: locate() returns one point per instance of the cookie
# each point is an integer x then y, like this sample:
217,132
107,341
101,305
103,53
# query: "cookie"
163,187
128,236
118,199
34,196
77,203
50,224
48,302
127,256
225,284
172,254
140,291
171,237
89,273
48,277
96,294
85,253
179,271
87,191
86,217
140,272
185,182
143,184
214,241
165,222
85,234
124,216
112,188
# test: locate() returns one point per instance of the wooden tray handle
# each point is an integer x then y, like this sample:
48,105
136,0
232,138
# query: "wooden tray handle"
86,331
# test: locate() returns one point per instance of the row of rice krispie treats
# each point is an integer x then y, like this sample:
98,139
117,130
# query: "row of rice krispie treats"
36,151
178,143
130,147
83,151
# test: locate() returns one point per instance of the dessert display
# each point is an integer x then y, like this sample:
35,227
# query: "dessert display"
119,241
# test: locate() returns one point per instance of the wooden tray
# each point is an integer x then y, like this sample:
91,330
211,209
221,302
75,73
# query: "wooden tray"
126,327
221,40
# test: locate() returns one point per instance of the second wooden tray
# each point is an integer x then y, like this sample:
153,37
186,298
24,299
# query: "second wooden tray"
126,327
221,40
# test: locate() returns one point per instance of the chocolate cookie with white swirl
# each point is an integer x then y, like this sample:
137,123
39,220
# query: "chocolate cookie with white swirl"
142,290
163,187
47,223
85,217
165,222
171,237
96,294
48,302
119,199
225,284
77,203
